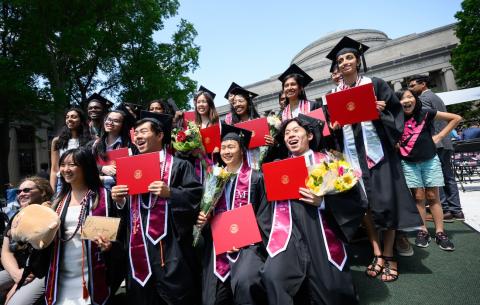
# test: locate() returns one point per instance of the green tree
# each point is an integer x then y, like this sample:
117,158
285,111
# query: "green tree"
466,56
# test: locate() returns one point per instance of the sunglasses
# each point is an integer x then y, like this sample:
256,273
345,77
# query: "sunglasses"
25,190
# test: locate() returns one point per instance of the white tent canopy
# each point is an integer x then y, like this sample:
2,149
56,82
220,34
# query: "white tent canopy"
460,96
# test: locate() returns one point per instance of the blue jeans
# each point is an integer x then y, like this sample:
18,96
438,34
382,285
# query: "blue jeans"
449,196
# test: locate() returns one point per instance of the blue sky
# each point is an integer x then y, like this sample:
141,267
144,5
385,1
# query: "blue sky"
248,41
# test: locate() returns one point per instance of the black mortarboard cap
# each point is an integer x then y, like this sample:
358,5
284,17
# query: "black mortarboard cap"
244,92
105,102
232,85
165,121
345,45
202,88
294,69
315,127
242,136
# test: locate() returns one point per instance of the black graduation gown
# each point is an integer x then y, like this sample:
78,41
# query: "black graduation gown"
304,264
390,201
177,282
243,286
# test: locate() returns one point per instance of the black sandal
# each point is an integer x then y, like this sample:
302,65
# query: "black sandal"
387,270
373,267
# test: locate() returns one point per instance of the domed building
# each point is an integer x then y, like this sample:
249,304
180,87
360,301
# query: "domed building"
393,60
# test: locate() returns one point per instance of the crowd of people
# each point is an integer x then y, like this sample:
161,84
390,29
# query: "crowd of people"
403,157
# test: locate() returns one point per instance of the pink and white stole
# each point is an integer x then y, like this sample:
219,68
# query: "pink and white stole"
156,228
241,197
282,230
304,108
98,288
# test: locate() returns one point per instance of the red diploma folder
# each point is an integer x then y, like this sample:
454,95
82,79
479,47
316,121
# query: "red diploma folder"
319,115
354,105
138,172
259,129
211,137
113,155
235,228
188,116
284,178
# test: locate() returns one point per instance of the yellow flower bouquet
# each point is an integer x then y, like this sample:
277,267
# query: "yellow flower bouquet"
331,176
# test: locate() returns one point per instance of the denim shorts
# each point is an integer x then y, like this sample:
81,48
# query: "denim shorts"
423,174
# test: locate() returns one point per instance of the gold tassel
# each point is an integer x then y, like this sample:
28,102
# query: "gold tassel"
161,254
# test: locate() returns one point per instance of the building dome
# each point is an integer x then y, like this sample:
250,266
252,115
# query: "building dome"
316,51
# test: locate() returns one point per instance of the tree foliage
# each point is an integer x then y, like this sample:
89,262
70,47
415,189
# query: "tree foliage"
466,56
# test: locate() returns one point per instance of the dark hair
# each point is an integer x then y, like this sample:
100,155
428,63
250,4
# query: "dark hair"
155,125
83,158
251,110
305,125
418,104
100,149
167,108
420,79
212,111
65,134
298,78
103,105
357,56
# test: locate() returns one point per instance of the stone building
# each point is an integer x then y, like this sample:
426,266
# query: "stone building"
393,60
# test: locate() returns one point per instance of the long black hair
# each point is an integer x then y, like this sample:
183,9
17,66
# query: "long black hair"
298,78
65,134
100,149
212,111
251,110
416,113
83,158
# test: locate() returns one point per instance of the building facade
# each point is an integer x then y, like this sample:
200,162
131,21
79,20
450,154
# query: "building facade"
393,60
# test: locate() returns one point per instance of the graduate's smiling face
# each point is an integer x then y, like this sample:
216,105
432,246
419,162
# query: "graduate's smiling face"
240,105
202,105
347,63
113,123
72,120
70,171
231,153
297,138
291,88
146,140
408,102
156,107
95,110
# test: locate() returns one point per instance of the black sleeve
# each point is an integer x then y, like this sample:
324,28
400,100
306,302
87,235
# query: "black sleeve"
392,118
185,190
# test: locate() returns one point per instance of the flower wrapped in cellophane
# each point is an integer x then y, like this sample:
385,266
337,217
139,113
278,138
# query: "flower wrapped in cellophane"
214,185
333,175
257,157
187,140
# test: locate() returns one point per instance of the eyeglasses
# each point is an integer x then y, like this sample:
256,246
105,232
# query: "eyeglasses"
25,190
113,121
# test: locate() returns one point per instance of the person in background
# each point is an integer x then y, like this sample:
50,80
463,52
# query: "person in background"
158,106
116,135
97,108
43,173
73,134
449,196
229,96
335,75
472,132
32,190
294,80
205,111
420,163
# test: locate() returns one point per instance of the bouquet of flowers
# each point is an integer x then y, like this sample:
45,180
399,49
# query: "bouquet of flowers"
333,175
214,185
187,140
274,124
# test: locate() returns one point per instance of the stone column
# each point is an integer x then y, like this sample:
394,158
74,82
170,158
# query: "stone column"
449,79
41,147
397,84
13,163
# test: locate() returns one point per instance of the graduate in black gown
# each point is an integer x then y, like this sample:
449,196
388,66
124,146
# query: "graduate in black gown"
370,146
234,278
307,258
162,263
